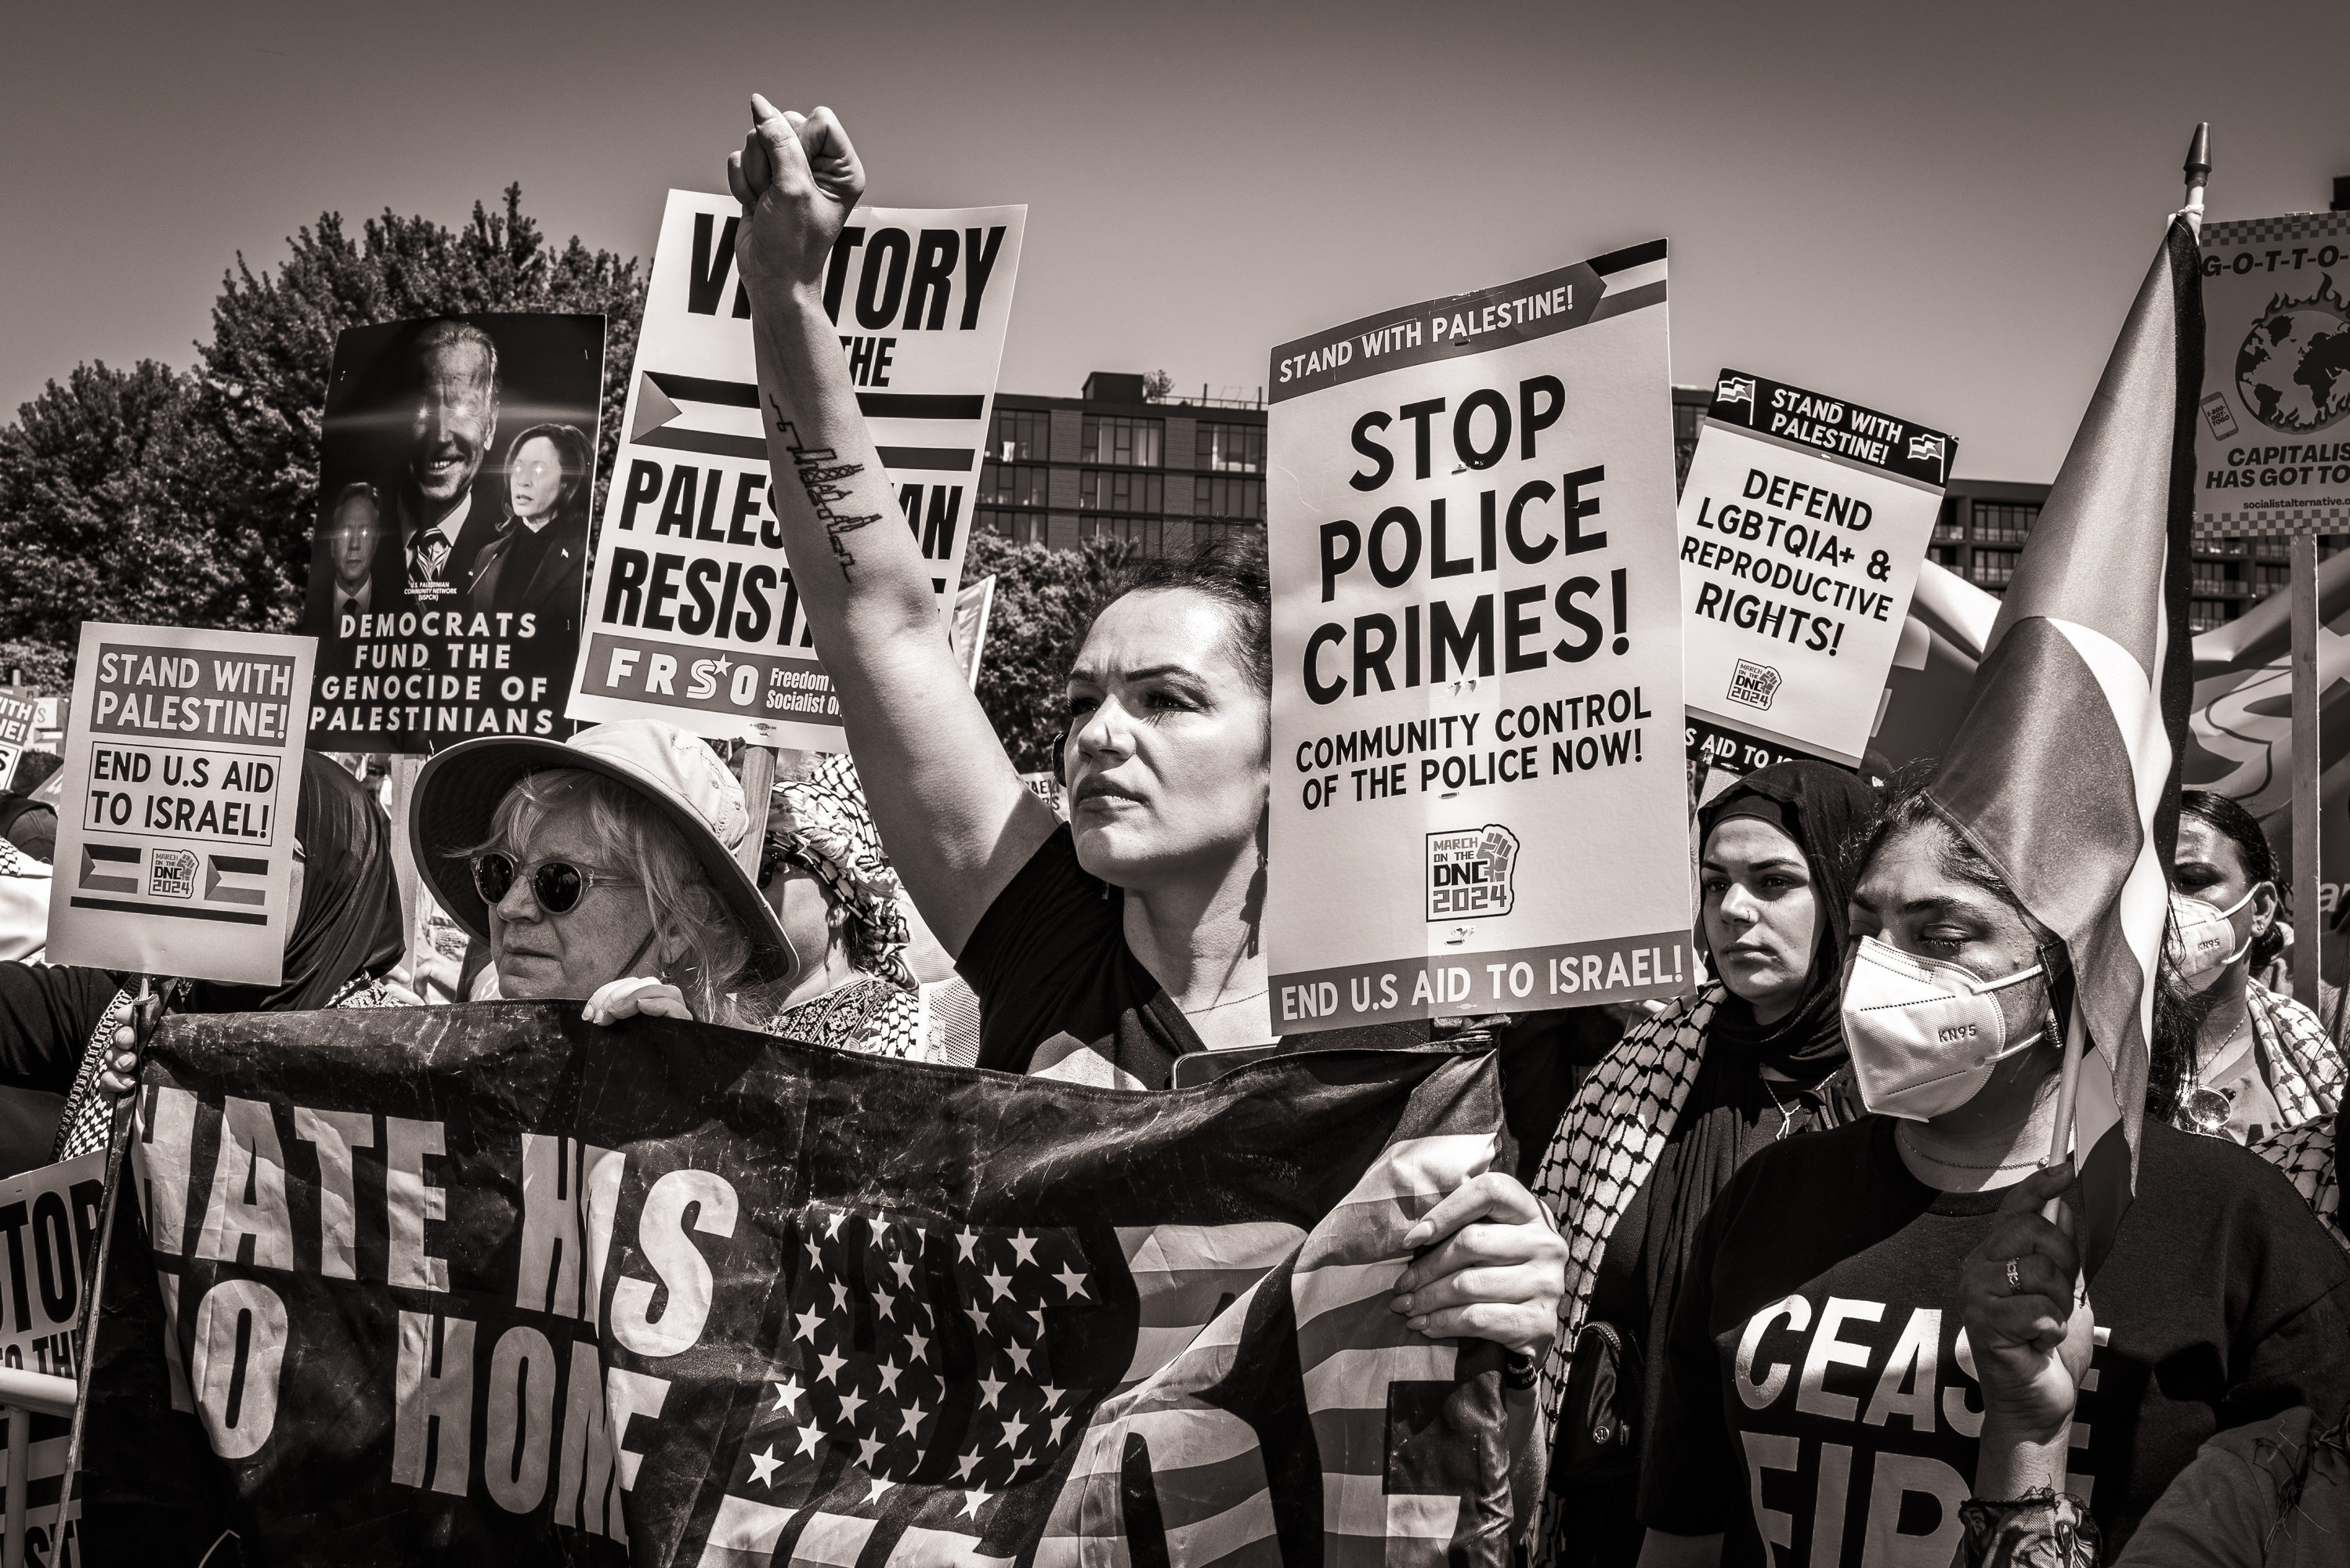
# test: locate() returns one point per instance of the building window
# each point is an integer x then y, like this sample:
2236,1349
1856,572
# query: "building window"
1948,533
2267,580
1143,533
1686,414
1129,443
1215,496
1204,531
2210,576
2202,615
1020,527
1099,491
1021,435
1229,448
2002,522
1943,555
1992,568
1011,484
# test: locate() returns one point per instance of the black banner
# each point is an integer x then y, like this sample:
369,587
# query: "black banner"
486,1283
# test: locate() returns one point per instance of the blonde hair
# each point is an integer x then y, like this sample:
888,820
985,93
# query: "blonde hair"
634,840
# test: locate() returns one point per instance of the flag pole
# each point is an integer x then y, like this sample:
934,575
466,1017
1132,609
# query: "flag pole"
2198,173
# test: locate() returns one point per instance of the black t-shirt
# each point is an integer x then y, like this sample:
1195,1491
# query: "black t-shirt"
1055,977
1817,1395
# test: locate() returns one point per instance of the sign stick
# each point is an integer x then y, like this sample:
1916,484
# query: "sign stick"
2306,809
118,1149
758,785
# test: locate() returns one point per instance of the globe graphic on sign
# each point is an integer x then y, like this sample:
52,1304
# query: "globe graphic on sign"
2294,370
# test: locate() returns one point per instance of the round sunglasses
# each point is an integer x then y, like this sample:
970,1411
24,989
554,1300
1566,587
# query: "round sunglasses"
558,884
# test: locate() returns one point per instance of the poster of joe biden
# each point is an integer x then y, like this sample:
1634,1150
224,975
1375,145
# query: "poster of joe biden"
450,557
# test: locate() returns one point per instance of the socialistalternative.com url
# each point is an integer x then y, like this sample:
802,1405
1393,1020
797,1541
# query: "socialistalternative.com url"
2295,503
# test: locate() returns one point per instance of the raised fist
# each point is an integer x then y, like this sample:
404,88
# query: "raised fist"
797,178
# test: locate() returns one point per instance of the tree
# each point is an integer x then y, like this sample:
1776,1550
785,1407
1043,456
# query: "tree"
264,372
188,499
1045,601
96,519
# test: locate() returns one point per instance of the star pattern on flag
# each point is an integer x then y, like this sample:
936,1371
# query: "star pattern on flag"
883,1373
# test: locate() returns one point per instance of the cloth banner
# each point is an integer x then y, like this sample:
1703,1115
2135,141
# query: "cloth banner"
486,1283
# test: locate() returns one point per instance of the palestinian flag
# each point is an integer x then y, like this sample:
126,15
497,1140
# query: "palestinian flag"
2064,772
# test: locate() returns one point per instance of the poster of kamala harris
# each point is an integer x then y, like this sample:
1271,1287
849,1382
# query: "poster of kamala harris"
1478,797
692,617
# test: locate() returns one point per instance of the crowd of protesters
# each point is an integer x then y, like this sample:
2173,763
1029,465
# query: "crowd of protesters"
1701,1178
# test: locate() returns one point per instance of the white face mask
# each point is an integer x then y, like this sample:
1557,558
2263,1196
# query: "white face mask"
1924,1033
2201,939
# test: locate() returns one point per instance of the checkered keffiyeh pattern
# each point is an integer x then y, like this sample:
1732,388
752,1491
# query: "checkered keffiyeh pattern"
2264,231
1606,1148
2304,1156
2306,1068
88,1118
822,824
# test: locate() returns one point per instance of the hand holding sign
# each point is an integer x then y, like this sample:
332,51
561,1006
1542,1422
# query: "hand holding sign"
797,178
121,1074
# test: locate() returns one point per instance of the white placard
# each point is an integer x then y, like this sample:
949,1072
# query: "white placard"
183,779
1478,802
692,614
1804,521
2273,432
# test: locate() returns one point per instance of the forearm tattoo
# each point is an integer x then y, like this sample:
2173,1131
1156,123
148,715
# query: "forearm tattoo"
822,476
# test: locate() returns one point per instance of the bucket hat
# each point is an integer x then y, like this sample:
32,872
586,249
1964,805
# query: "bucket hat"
676,773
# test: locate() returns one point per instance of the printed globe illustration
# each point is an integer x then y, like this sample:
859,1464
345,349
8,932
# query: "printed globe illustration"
2294,370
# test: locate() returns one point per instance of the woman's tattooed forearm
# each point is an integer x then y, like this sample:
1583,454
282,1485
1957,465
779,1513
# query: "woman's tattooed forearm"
823,477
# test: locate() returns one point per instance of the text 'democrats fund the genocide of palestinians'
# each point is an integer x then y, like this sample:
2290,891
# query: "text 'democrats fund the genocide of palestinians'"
175,830
1477,803
694,618
455,480
1803,524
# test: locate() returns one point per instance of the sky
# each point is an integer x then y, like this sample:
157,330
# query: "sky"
1940,212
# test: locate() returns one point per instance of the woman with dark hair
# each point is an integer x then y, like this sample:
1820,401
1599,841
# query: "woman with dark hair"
1817,1395
2261,1062
1111,949
1687,1096
70,1031
537,564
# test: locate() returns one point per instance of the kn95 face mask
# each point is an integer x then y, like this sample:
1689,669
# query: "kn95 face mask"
1924,1033
2204,940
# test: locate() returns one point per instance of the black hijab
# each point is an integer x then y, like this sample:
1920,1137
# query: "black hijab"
349,924
1819,806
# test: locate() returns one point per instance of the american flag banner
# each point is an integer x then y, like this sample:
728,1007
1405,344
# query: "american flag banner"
488,1282
2064,772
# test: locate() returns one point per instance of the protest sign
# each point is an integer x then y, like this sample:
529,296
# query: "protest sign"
1803,524
1468,815
175,830
464,1277
50,1219
2272,443
694,618
455,474
16,734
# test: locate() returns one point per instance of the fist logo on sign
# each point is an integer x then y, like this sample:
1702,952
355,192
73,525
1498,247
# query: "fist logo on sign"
1753,684
1471,871
172,873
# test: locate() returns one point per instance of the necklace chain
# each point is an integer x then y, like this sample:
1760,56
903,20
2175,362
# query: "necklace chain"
1786,1116
1911,1143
